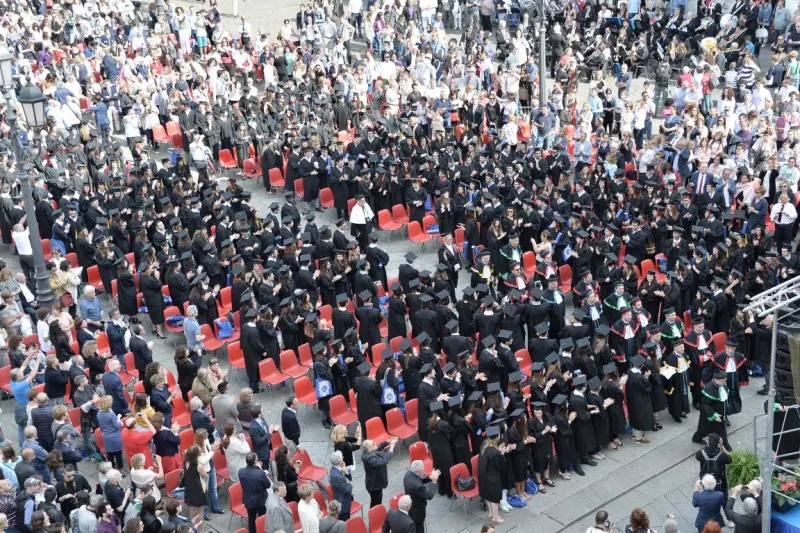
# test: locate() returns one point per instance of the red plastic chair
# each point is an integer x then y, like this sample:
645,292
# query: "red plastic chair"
210,342
290,366
412,413
234,336
306,359
400,215
5,378
719,340
376,516
180,413
309,470
225,298
340,413
173,128
177,141
326,197
393,501
350,203
460,470
687,322
269,374
376,432
160,134
385,221
187,438
72,257
415,234
304,390
94,279
261,525
298,188
227,159
171,483
98,439
221,464
397,426
252,169
565,278
237,507
46,249
276,180
419,452
168,312
427,222
75,417
236,356
355,525
526,363
353,402
326,313
529,264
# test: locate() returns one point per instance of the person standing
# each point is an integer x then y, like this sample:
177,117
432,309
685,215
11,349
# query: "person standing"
713,410
420,488
639,400
708,500
376,475
253,349
255,485
279,515
784,214
308,509
340,483
399,520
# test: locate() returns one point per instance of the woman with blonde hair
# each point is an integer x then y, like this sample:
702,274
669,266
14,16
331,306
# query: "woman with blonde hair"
195,481
143,476
346,444
111,428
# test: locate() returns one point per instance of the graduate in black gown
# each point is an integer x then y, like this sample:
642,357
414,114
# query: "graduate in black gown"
734,365
600,423
582,429
713,409
397,312
541,428
658,396
637,396
440,434
611,389
676,371
564,441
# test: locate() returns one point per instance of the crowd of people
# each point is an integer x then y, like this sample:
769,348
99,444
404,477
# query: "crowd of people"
595,253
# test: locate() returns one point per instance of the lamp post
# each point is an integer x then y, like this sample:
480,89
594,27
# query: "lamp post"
32,101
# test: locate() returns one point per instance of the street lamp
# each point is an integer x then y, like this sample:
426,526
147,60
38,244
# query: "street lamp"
32,101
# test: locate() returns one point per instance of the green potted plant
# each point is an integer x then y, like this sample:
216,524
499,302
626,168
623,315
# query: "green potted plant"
744,467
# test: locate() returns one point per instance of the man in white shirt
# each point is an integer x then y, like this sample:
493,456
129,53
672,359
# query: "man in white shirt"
783,214
361,221
22,240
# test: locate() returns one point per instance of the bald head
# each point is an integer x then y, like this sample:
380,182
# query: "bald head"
404,503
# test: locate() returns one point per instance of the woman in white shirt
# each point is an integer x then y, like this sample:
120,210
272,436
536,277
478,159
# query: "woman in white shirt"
308,509
236,450
142,476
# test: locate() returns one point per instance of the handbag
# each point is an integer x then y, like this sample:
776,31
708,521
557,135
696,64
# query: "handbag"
388,396
531,487
323,388
66,300
224,328
465,483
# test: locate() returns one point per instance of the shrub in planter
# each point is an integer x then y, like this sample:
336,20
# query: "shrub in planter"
745,467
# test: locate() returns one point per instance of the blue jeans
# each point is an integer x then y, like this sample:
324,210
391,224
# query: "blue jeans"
211,491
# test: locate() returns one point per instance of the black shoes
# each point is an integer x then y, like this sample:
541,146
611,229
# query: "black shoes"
578,470
678,419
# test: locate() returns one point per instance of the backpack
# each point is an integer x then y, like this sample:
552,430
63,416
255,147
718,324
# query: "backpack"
711,466
662,75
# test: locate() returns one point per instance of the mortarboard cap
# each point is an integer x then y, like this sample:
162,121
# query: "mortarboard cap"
492,388
552,358
423,337
405,345
609,368
505,335
637,360
579,381
594,383
364,368
475,396
515,377
559,399
493,432
365,296
426,368
451,325
488,342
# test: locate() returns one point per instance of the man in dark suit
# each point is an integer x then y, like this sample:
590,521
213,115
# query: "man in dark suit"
200,419
112,384
398,521
289,424
141,349
748,521
260,434
420,488
708,500
340,483
255,485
